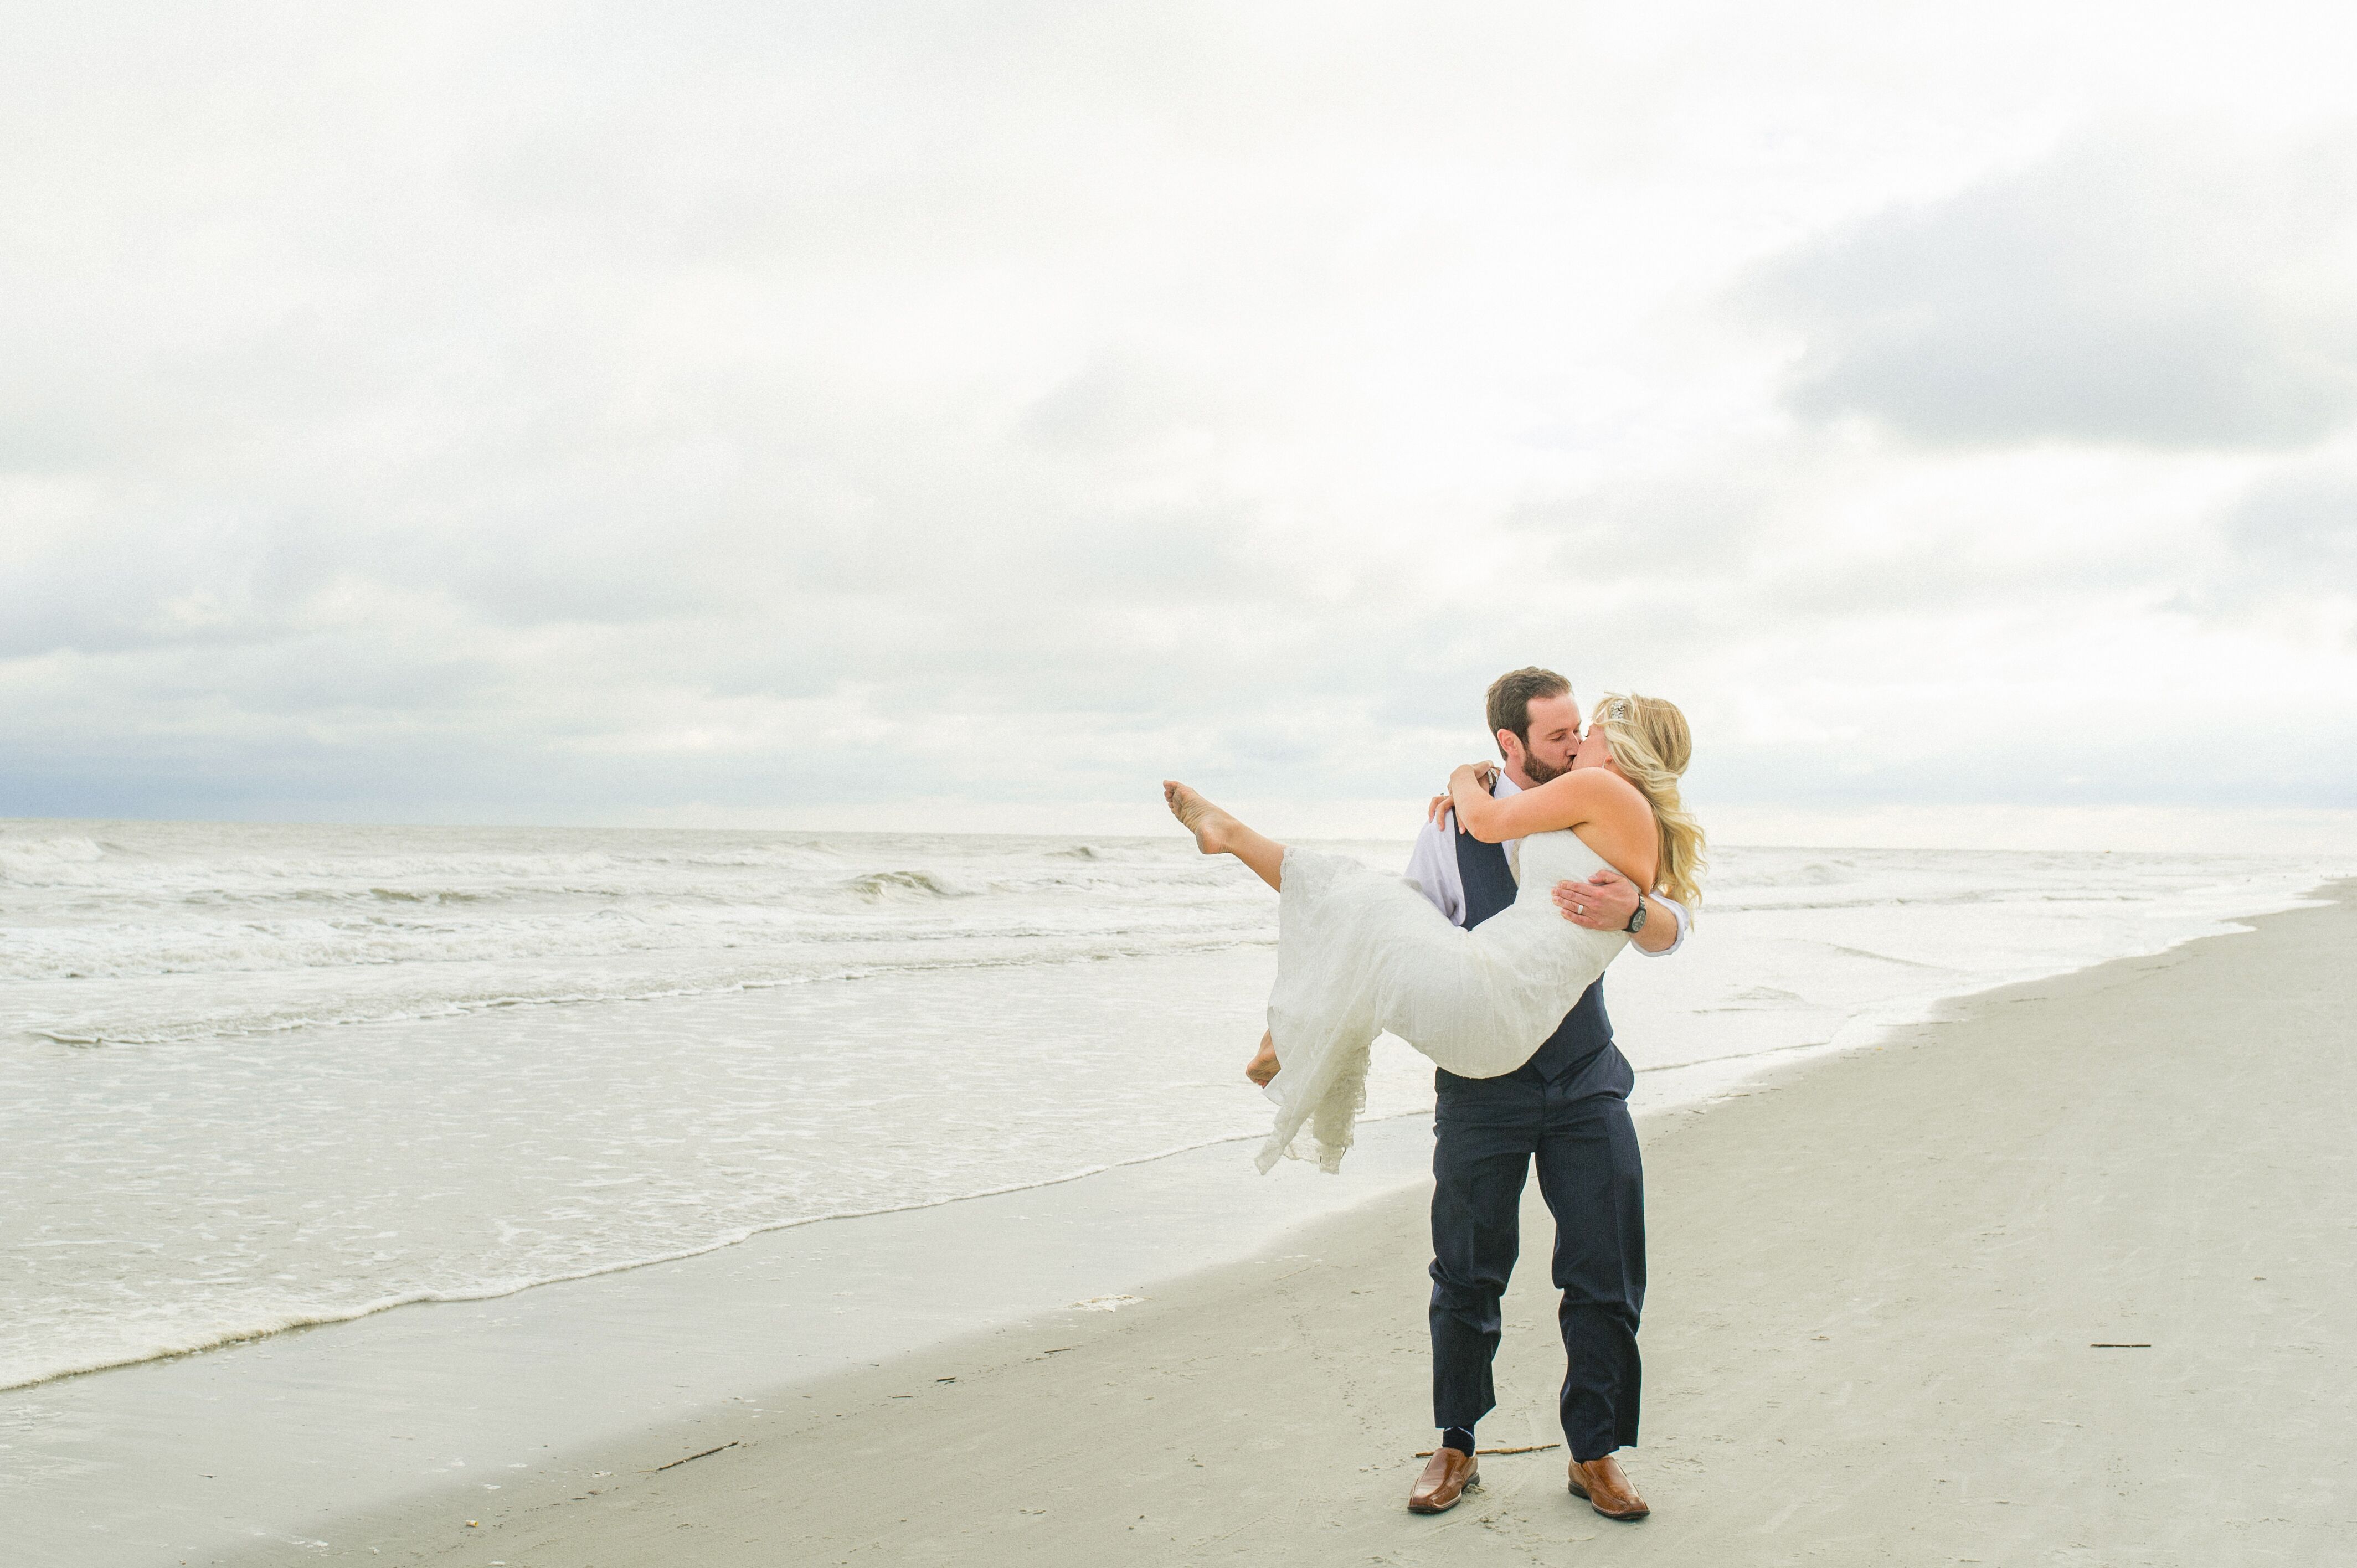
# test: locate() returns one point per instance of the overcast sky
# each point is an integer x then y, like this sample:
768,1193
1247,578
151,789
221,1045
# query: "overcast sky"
779,412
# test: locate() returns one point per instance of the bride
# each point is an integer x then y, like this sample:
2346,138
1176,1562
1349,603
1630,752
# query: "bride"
1359,952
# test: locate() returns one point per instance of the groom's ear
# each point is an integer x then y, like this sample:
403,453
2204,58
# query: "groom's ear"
1508,744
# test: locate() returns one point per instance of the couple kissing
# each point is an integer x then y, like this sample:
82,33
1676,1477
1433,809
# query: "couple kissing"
1529,877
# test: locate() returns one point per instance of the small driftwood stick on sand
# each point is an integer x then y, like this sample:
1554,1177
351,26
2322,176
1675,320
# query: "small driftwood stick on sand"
705,1454
1526,1448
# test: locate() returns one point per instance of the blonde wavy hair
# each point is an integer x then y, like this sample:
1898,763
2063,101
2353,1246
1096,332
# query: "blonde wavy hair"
1652,746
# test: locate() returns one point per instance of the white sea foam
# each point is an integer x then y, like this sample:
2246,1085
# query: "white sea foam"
258,1077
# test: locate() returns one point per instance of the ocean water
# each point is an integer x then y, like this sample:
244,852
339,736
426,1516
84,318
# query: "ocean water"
253,1077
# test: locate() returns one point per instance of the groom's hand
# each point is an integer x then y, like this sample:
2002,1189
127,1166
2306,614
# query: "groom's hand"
1602,903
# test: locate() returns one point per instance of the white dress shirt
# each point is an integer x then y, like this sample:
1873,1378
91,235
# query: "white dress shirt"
1432,866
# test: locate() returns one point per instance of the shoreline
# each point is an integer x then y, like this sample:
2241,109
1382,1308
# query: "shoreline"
1703,1079
1859,963
128,1466
466,1298
1920,1253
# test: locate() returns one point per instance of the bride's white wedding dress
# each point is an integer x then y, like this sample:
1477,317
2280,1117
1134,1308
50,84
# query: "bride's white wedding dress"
1359,952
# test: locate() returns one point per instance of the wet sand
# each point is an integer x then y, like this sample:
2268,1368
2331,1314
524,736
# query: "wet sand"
1884,1289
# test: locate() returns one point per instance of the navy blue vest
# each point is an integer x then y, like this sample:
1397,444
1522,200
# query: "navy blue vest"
1489,888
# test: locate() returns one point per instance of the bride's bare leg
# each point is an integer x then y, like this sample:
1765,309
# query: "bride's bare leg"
1264,1065
1217,832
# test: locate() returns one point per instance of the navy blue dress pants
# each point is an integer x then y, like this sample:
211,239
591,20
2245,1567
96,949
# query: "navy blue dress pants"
1491,1131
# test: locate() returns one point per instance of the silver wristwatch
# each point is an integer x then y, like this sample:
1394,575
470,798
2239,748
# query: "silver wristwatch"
1636,921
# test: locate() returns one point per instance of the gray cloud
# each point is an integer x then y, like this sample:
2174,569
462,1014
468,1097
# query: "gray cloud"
2282,556
2301,528
2156,291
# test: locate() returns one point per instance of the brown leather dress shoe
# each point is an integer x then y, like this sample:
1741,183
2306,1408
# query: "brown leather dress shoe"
1608,1491
1447,1477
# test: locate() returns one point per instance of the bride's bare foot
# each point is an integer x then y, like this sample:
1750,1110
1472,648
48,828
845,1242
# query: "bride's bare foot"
1210,824
1217,832
1264,1065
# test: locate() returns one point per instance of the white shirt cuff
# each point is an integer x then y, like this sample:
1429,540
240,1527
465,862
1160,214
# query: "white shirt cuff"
1684,925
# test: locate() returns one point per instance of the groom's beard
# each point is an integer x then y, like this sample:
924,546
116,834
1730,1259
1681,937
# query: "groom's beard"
1538,772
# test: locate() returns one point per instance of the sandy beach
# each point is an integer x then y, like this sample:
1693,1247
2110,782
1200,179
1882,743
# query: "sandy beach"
1886,1292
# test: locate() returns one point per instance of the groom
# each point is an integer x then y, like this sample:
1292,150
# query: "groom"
1566,1110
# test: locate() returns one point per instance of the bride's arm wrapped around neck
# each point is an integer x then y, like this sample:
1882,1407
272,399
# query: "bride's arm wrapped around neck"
1606,811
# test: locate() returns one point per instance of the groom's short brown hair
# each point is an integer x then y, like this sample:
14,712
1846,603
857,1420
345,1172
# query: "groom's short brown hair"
1509,699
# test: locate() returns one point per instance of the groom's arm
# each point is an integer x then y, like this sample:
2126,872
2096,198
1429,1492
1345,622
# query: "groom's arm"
1606,901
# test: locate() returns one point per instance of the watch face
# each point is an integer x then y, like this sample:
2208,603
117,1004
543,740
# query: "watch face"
1637,921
